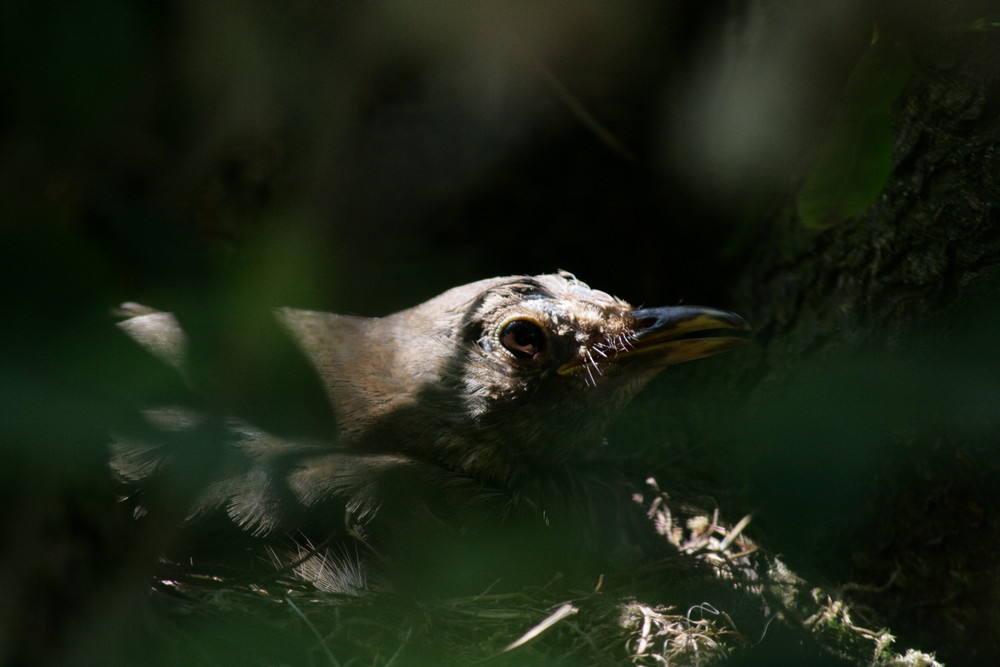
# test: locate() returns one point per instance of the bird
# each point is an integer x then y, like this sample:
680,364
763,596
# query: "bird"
468,442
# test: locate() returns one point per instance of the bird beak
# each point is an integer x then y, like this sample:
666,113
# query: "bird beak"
679,333
685,333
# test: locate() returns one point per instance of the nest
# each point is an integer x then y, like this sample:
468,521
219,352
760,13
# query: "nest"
645,618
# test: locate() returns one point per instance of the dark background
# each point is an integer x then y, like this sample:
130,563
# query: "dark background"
828,169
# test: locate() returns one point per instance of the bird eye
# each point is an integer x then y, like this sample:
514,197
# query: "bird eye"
523,338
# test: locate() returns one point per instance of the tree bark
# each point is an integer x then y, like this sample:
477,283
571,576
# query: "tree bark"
876,382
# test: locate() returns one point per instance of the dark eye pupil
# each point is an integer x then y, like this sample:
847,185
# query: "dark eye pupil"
523,339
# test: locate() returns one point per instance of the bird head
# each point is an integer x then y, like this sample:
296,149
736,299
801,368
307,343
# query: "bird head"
500,377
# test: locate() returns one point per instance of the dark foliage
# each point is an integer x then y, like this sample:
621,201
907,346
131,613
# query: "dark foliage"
217,160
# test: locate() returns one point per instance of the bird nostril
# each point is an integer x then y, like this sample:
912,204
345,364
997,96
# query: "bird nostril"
647,322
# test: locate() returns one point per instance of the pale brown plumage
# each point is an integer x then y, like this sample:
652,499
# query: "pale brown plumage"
470,421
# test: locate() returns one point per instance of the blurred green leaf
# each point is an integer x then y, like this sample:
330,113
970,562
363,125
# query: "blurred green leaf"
856,159
982,24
